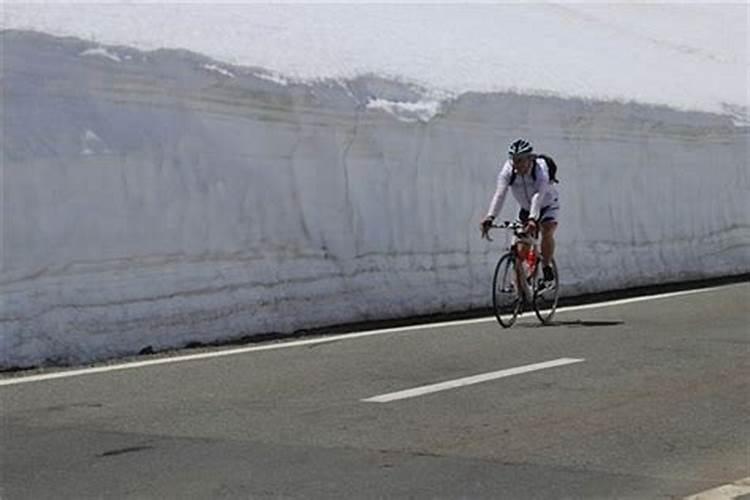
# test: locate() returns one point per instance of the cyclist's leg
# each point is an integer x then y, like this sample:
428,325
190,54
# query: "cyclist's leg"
549,225
548,241
521,247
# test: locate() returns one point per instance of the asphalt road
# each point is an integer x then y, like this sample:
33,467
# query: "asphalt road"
655,405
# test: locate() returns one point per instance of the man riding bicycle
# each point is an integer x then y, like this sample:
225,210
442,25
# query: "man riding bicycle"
528,177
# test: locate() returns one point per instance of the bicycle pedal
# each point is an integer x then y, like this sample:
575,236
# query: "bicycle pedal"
544,290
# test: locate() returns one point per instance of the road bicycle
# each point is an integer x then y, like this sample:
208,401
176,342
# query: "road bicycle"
515,288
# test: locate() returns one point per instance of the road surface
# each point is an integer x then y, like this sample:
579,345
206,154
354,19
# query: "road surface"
632,399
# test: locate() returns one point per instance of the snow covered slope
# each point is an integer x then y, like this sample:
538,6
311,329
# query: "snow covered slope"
690,56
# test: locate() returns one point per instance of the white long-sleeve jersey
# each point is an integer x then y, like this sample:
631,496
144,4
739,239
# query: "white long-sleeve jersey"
530,194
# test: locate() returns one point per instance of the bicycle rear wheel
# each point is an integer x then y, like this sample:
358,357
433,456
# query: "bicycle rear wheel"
545,296
506,300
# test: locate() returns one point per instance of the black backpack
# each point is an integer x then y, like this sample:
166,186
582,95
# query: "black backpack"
551,168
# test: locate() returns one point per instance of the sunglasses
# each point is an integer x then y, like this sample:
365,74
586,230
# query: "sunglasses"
519,159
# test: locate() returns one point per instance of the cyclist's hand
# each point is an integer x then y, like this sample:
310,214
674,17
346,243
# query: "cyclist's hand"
485,226
531,227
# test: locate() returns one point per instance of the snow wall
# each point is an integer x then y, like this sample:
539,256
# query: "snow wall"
161,198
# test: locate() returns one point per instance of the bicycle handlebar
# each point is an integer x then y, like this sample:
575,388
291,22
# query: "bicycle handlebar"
517,228
508,225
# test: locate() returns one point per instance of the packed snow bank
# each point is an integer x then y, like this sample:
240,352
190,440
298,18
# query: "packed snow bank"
162,198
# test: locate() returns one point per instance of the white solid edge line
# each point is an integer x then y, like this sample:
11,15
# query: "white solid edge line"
725,492
332,338
474,379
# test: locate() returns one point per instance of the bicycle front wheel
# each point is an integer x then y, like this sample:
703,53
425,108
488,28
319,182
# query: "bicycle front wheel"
545,296
506,300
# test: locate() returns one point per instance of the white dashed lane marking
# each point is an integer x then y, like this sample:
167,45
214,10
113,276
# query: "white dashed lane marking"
731,491
462,382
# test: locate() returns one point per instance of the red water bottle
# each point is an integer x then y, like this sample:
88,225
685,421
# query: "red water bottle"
531,260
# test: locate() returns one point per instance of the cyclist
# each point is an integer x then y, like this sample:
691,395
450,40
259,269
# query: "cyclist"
528,177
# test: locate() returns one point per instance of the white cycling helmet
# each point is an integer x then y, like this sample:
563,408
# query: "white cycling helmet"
520,147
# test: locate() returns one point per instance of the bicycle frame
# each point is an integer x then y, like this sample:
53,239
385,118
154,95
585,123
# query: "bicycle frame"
521,258
529,290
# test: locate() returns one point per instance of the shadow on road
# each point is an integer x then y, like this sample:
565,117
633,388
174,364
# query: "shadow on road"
578,323
581,322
